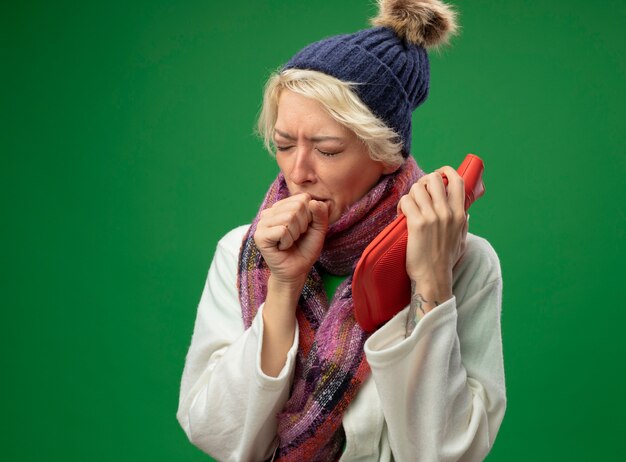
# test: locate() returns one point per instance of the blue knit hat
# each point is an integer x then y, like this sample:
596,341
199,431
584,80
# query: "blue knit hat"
389,63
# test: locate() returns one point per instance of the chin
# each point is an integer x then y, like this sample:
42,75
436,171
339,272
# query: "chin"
333,216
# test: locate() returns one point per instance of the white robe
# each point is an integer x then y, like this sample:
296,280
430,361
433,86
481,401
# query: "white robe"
438,395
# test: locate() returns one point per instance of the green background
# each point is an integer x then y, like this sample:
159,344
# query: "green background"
128,150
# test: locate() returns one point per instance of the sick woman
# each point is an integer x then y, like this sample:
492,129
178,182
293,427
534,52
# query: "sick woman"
278,368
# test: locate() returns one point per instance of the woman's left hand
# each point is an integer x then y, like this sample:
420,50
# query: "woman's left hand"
437,230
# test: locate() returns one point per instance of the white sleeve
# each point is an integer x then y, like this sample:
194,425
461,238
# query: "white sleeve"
227,405
442,389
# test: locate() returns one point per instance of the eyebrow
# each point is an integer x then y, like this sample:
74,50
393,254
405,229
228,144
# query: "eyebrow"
313,138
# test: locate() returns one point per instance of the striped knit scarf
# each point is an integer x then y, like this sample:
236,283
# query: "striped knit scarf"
330,364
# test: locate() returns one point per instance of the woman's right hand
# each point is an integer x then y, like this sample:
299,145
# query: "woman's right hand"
290,236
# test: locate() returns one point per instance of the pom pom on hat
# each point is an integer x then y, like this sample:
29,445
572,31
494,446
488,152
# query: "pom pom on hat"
428,23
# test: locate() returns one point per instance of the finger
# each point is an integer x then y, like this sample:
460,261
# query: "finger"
305,197
295,221
286,239
301,205
411,211
436,189
298,205
399,207
423,200
293,203
270,237
456,191
440,197
319,215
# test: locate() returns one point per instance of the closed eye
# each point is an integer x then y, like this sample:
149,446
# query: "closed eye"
326,153
283,148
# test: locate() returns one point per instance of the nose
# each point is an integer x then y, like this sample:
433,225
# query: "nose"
303,168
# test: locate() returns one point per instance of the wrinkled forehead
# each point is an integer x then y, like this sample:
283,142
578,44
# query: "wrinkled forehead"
302,116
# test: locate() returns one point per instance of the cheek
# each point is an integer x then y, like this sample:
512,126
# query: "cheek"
280,160
352,186
284,165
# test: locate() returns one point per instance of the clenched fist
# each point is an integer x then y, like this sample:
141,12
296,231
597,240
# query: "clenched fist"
290,236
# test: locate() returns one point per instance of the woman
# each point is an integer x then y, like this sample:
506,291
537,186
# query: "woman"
278,366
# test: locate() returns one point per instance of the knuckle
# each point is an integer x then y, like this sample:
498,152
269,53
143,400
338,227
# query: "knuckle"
454,175
446,215
301,206
258,238
416,223
401,207
459,217
431,219
284,235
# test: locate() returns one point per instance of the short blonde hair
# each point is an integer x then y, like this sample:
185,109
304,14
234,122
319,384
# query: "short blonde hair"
341,103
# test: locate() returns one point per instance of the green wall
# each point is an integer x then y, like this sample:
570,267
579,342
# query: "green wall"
128,150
